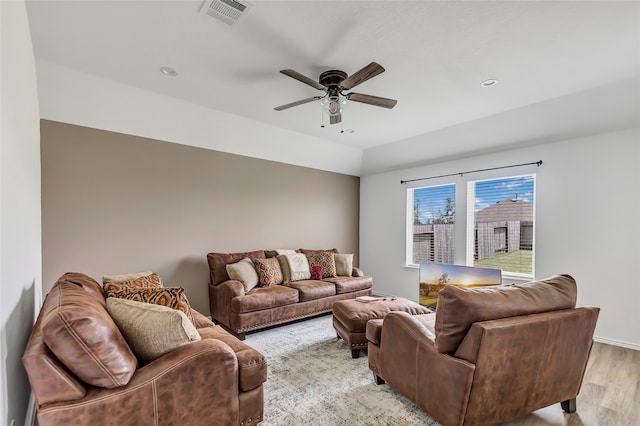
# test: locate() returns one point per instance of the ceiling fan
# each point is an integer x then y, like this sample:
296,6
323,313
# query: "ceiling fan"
334,83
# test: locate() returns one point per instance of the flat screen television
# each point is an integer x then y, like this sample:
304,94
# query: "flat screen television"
434,276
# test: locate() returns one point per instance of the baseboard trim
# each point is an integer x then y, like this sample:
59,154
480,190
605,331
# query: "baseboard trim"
614,342
30,418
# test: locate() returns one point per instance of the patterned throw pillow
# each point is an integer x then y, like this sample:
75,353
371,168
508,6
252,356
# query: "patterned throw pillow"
269,272
149,281
324,259
171,297
298,267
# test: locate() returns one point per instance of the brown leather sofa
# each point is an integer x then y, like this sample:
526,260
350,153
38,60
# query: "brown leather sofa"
241,312
488,354
216,380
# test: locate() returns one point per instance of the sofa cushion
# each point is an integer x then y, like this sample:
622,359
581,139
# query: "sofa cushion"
219,261
459,307
151,330
350,284
325,261
245,272
269,272
80,332
171,297
312,289
124,277
344,264
147,281
252,365
264,298
297,267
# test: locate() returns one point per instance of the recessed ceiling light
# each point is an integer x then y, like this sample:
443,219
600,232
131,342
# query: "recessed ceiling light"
488,83
168,71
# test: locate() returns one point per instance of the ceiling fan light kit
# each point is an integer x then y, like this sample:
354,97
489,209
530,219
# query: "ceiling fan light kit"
334,83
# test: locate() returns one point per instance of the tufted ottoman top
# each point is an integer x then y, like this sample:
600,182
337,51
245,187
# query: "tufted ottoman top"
354,315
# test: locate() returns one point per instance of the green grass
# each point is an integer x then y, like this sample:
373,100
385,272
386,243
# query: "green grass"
520,261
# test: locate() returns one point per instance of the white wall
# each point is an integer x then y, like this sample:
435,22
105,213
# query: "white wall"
587,223
20,231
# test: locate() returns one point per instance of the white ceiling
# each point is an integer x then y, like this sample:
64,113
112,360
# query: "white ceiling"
436,54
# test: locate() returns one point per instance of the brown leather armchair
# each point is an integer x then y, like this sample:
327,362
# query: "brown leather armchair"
488,354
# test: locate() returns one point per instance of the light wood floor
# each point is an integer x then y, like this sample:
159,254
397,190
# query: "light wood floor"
610,393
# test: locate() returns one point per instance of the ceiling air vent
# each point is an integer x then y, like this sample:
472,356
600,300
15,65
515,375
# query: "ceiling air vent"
227,11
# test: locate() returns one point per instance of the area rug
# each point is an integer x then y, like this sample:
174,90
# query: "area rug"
314,381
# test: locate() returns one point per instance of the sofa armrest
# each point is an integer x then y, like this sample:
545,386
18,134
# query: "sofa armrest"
232,288
194,382
438,383
220,296
357,272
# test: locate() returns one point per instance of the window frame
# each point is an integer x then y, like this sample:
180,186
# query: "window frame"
464,241
410,197
470,234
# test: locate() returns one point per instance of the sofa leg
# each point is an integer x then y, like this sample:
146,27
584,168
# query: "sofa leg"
569,406
241,336
355,353
379,380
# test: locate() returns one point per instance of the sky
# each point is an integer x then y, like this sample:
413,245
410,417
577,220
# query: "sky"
434,199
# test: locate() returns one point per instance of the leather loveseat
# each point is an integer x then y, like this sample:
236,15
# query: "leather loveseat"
240,311
488,354
215,380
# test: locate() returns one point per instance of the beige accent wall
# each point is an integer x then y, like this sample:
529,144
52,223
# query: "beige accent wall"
114,203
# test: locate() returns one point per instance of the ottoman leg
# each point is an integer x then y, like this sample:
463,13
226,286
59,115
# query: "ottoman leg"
355,353
379,380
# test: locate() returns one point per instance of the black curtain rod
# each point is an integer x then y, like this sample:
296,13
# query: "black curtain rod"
538,163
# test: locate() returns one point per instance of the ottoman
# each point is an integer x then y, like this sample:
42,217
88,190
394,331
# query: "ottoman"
350,318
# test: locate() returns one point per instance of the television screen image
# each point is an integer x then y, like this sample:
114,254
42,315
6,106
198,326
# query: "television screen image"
434,276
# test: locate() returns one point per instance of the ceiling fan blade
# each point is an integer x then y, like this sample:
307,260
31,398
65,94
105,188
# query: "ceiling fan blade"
372,100
296,103
335,119
303,78
362,75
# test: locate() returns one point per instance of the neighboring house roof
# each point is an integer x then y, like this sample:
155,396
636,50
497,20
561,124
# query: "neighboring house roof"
506,210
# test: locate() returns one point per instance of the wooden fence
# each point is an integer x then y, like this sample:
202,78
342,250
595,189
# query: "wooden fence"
434,243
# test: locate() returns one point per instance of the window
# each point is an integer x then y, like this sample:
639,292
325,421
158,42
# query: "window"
430,224
503,221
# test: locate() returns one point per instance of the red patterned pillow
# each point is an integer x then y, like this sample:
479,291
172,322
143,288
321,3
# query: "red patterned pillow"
149,281
269,272
172,297
325,260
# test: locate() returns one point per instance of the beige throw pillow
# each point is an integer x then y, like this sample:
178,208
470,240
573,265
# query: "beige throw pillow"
151,330
344,264
245,272
124,277
285,251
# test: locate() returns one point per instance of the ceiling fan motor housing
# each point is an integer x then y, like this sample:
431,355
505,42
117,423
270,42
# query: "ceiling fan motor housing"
332,78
